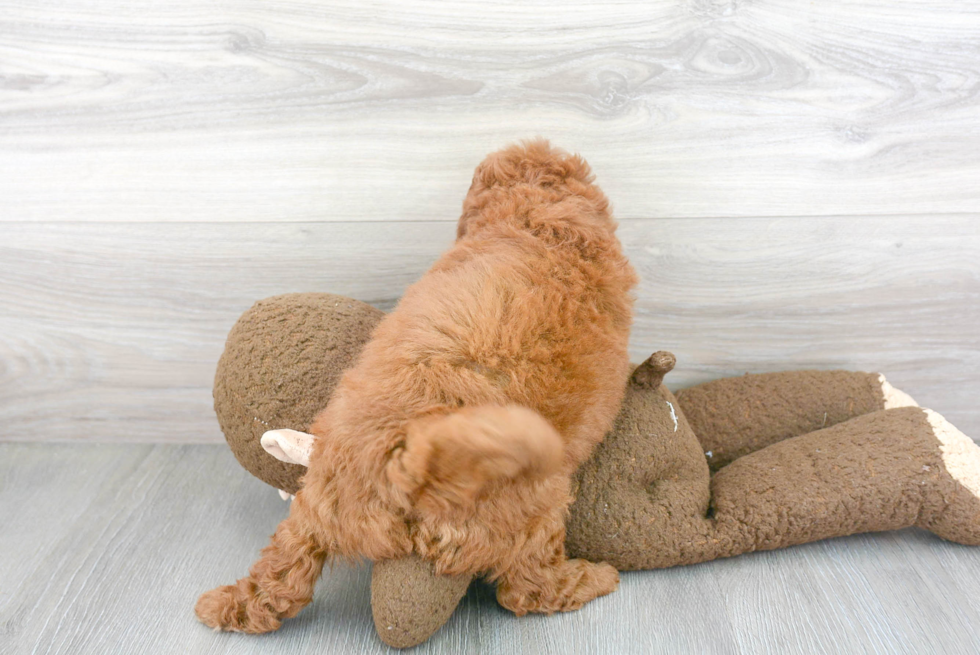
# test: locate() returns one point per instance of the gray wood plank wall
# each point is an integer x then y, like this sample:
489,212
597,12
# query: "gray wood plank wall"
798,183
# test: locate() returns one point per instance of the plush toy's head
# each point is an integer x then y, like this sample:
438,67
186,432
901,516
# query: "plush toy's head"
282,360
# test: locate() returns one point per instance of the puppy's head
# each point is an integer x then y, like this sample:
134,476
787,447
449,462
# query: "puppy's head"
533,162
531,165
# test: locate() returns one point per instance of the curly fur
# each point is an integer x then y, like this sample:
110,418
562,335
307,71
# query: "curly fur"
455,434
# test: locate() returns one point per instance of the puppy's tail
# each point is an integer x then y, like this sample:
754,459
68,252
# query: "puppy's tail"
448,460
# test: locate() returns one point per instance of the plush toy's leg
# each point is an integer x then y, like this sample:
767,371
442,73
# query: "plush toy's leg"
733,417
280,583
542,579
882,471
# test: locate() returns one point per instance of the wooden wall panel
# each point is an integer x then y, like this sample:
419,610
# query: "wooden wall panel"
250,110
112,331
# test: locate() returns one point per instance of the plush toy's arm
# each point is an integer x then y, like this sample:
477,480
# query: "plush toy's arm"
733,417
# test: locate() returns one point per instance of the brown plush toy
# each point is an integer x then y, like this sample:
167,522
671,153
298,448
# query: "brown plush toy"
741,464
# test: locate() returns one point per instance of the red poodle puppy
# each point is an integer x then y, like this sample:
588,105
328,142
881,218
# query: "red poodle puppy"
455,434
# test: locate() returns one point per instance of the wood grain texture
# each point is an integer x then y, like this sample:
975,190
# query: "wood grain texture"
250,110
111,332
105,549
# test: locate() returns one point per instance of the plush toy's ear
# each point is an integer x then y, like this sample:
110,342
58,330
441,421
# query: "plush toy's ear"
290,446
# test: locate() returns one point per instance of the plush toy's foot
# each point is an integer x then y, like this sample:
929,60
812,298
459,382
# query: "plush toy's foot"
959,517
565,588
236,608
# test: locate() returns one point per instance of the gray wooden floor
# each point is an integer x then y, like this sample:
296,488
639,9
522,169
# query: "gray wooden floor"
104,549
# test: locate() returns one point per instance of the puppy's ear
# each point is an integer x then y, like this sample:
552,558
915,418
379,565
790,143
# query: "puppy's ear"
449,460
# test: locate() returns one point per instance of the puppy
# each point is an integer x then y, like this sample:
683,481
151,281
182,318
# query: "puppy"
455,434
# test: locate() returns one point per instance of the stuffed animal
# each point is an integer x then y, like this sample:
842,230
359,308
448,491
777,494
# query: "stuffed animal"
740,464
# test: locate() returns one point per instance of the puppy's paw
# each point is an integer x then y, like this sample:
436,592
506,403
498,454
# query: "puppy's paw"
591,581
563,589
605,579
236,608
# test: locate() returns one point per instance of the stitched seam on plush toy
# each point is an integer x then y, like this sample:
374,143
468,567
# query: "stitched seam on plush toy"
673,414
